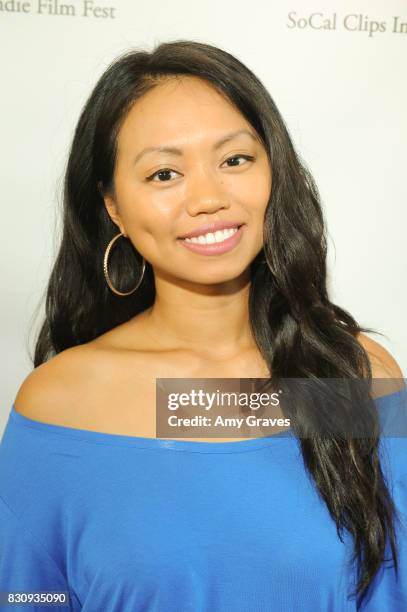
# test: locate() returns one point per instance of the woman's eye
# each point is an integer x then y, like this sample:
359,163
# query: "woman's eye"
164,173
246,157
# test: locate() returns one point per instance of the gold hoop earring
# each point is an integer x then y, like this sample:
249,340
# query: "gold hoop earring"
106,273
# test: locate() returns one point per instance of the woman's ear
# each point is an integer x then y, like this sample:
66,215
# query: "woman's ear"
112,208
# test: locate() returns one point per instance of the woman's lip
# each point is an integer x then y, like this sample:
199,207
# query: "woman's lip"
212,227
216,248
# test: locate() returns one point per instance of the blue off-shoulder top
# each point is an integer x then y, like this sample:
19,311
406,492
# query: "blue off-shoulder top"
112,523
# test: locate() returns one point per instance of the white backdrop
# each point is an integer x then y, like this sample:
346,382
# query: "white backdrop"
337,72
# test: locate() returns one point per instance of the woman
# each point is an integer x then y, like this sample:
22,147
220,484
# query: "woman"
183,140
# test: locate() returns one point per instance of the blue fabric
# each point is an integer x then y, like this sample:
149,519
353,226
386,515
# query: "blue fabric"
148,525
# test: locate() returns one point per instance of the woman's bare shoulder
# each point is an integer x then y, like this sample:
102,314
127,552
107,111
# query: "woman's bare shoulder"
382,361
84,375
48,386
384,367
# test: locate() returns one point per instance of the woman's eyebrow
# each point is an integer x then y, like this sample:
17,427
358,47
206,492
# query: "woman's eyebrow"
177,151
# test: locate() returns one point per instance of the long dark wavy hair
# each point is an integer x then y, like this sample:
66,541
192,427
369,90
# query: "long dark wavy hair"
298,330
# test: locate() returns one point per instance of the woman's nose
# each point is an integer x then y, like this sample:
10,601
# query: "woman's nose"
205,193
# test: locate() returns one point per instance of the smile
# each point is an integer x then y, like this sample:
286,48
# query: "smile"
214,243
210,238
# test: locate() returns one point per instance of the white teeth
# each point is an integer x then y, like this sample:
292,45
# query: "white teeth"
211,238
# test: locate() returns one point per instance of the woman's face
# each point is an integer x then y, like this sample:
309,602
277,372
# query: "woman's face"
195,180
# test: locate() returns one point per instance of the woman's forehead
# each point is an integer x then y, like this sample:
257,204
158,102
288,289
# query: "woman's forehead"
180,113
